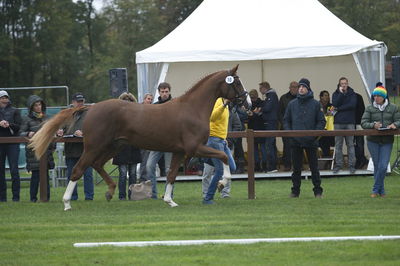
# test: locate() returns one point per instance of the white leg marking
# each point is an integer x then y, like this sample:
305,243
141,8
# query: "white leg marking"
68,194
225,178
227,172
167,196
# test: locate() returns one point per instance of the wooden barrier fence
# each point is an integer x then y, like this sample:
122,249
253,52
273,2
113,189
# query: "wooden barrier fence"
249,135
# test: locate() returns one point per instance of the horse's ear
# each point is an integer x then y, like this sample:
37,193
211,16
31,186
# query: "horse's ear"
234,70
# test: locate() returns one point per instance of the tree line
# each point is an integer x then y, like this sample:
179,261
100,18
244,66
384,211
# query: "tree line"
66,42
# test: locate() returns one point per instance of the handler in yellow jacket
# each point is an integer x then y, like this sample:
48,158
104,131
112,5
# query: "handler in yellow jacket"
218,132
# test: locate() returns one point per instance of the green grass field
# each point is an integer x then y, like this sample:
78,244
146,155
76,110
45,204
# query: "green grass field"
43,234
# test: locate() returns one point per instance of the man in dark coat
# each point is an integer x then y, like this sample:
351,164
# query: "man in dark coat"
30,125
73,151
361,160
10,121
283,103
304,113
270,116
344,100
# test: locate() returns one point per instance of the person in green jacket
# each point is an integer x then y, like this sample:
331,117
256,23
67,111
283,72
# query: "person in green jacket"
380,115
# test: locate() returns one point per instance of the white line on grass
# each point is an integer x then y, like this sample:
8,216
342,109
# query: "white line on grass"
231,241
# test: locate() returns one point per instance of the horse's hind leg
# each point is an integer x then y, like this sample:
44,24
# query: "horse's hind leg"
173,172
99,167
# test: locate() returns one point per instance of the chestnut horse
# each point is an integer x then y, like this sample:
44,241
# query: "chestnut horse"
180,126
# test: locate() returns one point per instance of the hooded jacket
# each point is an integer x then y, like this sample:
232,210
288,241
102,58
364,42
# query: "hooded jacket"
32,123
304,113
271,107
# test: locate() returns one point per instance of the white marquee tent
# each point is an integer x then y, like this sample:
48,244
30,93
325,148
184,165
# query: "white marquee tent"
273,40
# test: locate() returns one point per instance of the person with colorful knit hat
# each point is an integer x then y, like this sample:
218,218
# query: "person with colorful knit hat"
380,115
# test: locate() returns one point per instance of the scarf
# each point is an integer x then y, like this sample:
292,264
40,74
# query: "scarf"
381,107
37,115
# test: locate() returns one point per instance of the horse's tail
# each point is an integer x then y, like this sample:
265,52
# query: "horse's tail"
41,140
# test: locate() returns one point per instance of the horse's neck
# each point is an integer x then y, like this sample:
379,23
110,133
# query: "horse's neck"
202,99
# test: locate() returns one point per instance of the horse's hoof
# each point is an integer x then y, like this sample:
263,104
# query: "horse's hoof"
171,203
67,205
220,186
108,196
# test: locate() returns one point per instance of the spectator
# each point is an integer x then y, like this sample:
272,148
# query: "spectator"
283,103
164,89
238,154
325,143
218,131
30,125
304,113
380,114
127,159
10,121
361,160
344,101
256,122
148,99
73,151
270,116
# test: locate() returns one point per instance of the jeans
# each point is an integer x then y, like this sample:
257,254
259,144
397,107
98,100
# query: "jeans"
11,152
152,161
297,156
88,185
34,186
221,145
125,169
339,146
380,154
142,170
270,145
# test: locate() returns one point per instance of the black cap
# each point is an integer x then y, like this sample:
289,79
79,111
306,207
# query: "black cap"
78,97
305,82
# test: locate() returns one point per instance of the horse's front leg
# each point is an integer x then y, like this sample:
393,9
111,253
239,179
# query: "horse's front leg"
173,172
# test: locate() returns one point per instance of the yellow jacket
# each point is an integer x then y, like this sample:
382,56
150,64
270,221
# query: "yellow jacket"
219,120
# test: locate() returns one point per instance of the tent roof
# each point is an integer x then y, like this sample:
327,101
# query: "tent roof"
235,30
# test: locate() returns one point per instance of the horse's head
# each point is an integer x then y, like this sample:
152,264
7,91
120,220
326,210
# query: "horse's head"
233,89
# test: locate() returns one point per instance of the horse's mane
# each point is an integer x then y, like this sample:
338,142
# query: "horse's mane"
201,81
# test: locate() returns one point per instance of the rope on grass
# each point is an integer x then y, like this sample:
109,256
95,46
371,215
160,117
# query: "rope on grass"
232,241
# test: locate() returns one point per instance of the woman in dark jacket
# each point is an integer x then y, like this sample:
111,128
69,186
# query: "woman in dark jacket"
380,115
30,125
127,159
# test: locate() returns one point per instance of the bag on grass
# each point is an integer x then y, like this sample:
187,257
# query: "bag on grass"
140,191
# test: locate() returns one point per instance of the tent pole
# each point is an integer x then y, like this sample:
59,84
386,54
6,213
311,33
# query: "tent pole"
262,70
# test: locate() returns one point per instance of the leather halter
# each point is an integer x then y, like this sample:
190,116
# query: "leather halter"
240,97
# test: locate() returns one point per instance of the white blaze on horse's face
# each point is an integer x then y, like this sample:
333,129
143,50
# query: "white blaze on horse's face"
246,104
